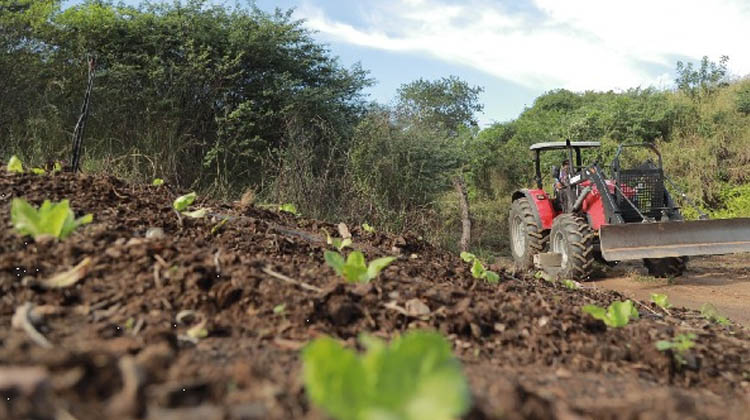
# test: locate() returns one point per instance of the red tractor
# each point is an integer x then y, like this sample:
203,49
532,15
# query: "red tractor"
628,216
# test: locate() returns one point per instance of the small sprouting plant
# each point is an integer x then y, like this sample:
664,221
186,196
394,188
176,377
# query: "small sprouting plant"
157,181
289,208
367,228
617,314
182,202
544,276
355,269
679,345
15,165
279,309
338,243
416,377
477,268
710,312
38,171
57,167
54,219
661,300
570,284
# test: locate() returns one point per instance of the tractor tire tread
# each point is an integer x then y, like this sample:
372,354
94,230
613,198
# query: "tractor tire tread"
536,237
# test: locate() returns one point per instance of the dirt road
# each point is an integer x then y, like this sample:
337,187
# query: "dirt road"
723,280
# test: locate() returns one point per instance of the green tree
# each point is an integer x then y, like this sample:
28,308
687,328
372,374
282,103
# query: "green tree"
703,81
449,102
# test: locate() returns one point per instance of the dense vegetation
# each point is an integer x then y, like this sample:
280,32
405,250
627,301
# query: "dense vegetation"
226,100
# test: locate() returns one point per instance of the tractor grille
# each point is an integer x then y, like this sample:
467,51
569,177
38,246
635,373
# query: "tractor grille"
645,189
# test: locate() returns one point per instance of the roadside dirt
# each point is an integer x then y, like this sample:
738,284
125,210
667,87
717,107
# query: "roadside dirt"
119,349
722,280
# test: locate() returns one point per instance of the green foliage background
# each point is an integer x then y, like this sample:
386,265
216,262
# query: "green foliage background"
225,99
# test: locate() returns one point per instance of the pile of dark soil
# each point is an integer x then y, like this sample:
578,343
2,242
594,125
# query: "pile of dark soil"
119,345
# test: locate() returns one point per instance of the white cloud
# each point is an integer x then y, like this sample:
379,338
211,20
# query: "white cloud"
576,44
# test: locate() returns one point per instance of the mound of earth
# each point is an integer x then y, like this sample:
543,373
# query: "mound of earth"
122,342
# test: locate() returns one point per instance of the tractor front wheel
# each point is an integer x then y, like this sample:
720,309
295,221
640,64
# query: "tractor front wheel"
666,267
526,235
572,238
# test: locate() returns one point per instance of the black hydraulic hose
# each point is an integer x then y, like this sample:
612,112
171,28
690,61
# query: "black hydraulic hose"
703,216
581,197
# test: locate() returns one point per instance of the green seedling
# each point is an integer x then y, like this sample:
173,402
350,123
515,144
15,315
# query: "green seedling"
57,167
354,269
15,165
477,268
338,243
679,346
182,202
289,208
157,181
38,171
710,312
661,300
279,309
416,377
541,275
218,226
618,314
570,284
367,228
56,220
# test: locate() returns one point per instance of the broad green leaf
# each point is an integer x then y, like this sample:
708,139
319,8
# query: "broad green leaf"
55,219
468,256
616,315
492,277
38,171
368,228
289,208
356,258
416,377
279,309
54,216
355,269
596,311
663,345
477,269
15,165
157,181
335,379
24,217
335,260
377,265
619,313
57,167
661,300
182,202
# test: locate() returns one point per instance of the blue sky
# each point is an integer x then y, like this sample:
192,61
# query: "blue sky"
519,49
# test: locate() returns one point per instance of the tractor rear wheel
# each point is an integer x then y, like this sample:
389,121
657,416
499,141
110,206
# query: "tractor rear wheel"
666,267
573,239
527,237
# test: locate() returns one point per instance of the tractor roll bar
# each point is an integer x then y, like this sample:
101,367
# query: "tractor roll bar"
616,160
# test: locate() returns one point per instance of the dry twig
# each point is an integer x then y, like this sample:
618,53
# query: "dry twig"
290,280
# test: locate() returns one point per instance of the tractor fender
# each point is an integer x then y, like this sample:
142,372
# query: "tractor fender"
544,211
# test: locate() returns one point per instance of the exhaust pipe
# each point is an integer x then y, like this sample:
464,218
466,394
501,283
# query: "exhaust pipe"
674,239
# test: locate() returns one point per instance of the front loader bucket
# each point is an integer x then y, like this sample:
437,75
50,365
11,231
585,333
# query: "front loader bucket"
633,241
